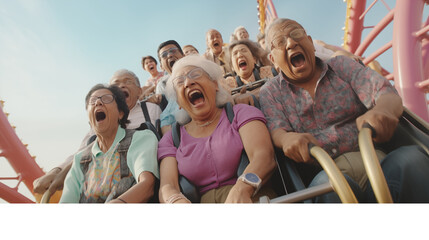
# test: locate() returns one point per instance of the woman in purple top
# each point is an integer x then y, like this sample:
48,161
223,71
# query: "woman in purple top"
210,148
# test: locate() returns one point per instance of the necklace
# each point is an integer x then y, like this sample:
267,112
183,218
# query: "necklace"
204,124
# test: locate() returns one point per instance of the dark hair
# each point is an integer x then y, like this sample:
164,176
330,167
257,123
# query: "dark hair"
168,43
148,57
119,99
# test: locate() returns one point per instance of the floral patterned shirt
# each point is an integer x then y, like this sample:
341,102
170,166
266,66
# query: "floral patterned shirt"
344,91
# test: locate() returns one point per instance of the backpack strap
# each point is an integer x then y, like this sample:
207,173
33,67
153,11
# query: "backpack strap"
145,111
123,147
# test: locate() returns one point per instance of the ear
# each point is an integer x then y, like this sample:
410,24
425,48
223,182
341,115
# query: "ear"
311,40
270,56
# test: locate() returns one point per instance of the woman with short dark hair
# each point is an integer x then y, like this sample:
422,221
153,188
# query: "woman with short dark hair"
119,166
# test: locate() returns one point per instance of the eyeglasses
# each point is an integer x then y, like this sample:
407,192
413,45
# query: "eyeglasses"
193,74
241,50
280,41
171,51
106,99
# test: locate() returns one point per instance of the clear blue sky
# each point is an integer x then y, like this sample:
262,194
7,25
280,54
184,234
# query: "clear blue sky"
53,51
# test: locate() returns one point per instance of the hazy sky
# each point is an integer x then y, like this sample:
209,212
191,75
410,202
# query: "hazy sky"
53,51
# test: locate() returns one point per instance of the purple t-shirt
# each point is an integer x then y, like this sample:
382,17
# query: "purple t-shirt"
211,162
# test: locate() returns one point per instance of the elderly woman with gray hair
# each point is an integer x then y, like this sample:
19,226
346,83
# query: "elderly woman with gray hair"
211,145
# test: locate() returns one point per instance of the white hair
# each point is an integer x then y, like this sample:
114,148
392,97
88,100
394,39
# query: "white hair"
211,68
126,71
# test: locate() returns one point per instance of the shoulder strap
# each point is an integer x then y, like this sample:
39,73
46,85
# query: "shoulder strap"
175,131
256,73
145,111
86,158
274,71
124,144
238,81
229,112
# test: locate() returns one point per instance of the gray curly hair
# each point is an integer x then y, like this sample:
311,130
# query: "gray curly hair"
215,74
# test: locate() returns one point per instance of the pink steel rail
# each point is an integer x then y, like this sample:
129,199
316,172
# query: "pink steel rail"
410,48
17,154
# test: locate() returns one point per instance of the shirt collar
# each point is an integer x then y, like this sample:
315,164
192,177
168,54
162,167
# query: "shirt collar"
120,134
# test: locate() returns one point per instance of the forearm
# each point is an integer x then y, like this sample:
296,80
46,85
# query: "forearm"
390,103
262,163
142,191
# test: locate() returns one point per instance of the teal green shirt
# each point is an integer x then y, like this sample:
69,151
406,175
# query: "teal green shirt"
141,156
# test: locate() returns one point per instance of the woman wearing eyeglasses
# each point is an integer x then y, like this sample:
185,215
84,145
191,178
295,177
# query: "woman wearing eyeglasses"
120,165
210,145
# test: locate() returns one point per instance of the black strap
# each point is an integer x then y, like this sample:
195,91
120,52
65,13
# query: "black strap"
163,103
274,71
145,111
175,131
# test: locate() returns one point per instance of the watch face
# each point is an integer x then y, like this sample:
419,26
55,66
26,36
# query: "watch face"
252,177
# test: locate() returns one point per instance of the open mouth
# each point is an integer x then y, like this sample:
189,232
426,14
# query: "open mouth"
297,60
196,97
242,64
151,67
100,116
216,44
126,94
172,63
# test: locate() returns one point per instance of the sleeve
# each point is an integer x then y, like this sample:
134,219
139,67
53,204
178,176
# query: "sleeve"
272,108
73,183
167,116
141,155
246,113
166,147
366,83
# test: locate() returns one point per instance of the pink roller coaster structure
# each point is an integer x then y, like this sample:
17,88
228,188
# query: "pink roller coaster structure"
411,74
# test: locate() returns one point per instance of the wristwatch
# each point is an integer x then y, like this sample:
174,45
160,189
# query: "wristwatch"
251,179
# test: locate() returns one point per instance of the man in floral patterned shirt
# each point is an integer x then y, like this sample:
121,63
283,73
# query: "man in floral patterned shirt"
325,103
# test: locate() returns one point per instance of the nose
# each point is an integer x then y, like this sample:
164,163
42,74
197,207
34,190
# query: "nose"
188,82
98,102
290,43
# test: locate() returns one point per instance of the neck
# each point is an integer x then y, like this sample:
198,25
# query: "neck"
105,140
154,73
211,119
249,78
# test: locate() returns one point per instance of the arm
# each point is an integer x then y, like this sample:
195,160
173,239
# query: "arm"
141,192
338,51
169,182
259,149
383,117
141,160
294,145
73,183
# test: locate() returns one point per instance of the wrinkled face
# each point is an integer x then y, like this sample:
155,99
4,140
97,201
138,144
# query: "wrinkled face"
242,60
127,83
242,34
188,50
149,65
103,111
196,92
214,41
169,55
292,50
